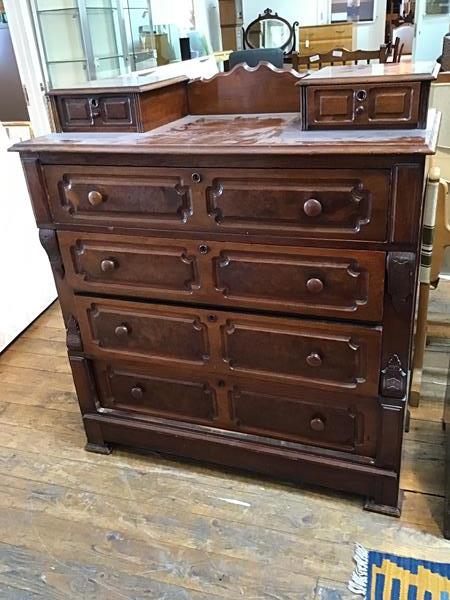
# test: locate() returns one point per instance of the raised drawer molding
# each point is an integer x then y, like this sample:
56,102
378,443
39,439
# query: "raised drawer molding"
239,290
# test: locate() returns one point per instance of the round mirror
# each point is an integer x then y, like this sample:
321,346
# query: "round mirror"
269,33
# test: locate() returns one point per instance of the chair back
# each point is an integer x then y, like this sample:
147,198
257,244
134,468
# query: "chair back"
405,33
342,56
274,56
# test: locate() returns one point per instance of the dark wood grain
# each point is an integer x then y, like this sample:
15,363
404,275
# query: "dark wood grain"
239,91
364,97
238,290
344,284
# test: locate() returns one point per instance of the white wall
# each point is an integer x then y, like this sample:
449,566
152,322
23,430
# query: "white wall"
292,10
370,36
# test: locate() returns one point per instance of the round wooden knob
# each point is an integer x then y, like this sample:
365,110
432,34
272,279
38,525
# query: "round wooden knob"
137,392
312,208
196,177
317,424
95,198
108,265
314,360
359,110
314,285
122,331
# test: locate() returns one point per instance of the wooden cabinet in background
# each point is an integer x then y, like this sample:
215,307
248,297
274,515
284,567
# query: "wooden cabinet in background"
323,38
231,22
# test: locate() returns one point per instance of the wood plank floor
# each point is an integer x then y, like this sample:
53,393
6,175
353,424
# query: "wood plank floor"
133,526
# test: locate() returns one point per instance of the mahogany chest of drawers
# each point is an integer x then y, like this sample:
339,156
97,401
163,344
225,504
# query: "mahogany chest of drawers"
240,292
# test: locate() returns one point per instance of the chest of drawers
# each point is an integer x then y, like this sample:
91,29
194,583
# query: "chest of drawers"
241,292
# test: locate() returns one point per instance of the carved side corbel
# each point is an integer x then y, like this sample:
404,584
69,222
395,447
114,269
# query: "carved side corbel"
393,378
400,278
73,335
49,242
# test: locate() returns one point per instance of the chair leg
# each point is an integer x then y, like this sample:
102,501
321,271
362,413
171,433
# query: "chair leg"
419,344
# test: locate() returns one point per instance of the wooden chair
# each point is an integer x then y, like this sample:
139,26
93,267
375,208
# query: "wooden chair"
436,237
341,56
405,33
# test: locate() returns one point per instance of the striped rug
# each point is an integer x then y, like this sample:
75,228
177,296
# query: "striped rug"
381,576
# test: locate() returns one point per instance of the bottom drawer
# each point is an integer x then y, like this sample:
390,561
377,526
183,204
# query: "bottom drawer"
334,421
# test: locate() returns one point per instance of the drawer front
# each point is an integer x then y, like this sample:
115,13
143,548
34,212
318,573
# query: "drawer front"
132,197
338,422
113,113
338,283
116,111
74,112
293,351
364,106
348,424
317,203
320,203
138,391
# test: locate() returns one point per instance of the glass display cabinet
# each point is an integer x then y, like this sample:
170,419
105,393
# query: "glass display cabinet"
83,40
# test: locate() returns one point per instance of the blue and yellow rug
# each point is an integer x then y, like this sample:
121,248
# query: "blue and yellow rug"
381,576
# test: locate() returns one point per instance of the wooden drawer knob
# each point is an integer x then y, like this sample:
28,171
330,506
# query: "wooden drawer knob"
122,331
108,265
314,360
95,198
312,208
137,392
317,424
314,285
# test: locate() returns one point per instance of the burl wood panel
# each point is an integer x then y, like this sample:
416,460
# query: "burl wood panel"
146,392
339,283
139,391
348,426
327,355
239,92
319,203
124,196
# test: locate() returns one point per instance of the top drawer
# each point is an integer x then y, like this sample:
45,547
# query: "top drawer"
301,203
114,113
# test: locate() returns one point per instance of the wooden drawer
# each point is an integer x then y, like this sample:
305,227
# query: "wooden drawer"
320,203
363,106
337,283
312,203
347,424
92,112
133,197
142,391
329,355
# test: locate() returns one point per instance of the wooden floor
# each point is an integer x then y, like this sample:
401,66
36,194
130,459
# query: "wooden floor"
82,526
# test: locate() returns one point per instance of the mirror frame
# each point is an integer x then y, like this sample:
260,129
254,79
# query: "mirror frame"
289,46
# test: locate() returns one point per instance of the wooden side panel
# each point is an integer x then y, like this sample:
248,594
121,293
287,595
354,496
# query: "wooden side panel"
162,106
